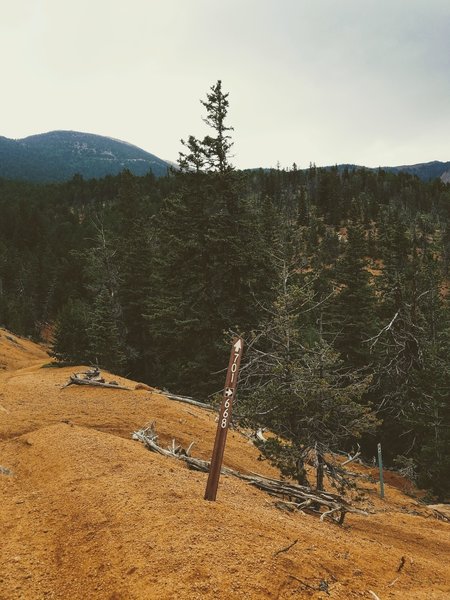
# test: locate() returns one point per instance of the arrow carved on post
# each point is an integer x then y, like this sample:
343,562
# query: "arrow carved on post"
224,419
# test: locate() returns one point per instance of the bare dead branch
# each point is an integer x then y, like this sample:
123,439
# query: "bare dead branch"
352,458
188,400
387,327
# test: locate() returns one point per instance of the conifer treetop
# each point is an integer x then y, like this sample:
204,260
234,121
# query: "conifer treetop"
211,154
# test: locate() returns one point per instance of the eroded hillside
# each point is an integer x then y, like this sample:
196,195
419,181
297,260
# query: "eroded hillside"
87,512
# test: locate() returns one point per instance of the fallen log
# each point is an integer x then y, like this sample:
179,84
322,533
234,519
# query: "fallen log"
188,400
300,496
77,380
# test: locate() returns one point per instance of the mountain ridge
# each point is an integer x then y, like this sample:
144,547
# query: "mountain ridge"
58,155
434,169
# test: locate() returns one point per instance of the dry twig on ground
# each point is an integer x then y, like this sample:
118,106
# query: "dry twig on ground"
286,548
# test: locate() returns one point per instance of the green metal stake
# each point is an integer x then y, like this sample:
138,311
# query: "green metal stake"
380,466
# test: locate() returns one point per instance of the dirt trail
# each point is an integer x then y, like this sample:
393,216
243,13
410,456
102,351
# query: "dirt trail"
86,512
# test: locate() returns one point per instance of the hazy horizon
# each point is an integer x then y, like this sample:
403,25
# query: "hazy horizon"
254,167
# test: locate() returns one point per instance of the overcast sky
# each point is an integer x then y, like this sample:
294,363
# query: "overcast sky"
324,81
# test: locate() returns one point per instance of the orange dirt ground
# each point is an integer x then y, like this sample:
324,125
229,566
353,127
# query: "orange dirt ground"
86,512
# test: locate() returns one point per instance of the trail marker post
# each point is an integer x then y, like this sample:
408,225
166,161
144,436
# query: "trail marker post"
224,419
380,466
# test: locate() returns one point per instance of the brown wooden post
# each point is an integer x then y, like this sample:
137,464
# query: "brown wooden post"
224,419
380,466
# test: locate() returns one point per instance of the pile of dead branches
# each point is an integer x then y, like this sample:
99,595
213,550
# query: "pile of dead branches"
293,497
93,377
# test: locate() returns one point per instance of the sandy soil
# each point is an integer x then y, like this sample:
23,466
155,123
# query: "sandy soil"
86,512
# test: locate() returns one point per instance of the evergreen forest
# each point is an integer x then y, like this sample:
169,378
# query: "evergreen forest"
337,279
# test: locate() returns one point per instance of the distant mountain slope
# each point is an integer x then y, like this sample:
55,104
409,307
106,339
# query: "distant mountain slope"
430,170
425,171
58,155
